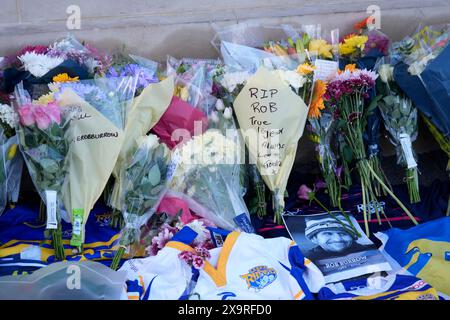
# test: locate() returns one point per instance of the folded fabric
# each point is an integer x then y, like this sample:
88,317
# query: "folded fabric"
392,287
423,250
244,268
417,92
178,116
160,277
436,78
22,240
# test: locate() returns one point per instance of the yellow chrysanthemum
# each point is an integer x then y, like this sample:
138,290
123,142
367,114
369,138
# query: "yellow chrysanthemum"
351,44
305,69
64,77
45,99
321,47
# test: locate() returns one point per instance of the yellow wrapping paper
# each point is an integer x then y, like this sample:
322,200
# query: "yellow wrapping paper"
272,119
145,112
95,143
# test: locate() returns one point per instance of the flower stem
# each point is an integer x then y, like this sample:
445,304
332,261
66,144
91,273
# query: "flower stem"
117,257
393,196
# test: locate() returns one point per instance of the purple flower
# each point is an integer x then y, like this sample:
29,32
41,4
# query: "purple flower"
320,185
377,40
144,75
305,193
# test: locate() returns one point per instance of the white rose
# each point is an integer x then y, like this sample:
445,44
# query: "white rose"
386,73
219,105
228,113
214,117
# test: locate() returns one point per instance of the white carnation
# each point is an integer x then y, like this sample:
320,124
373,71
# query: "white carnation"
232,79
292,78
39,64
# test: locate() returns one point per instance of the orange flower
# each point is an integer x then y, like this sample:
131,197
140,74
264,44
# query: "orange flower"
361,24
305,68
64,77
317,99
350,67
350,35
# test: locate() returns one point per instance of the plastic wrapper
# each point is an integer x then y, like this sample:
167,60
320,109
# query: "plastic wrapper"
241,45
207,177
11,165
144,185
194,81
146,110
321,132
66,128
179,122
67,280
400,119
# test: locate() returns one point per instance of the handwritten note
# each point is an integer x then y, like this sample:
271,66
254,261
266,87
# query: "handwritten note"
325,69
272,118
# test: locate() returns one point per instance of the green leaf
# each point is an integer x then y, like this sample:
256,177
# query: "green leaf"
154,175
49,165
347,154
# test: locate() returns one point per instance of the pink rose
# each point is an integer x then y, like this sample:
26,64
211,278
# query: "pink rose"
42,119
198,262
54,112
304,192
26,115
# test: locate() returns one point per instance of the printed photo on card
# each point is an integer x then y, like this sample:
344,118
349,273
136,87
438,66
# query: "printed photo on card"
339,254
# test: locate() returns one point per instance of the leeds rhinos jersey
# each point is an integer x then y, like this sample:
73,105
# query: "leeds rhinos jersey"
160,277
250,267
393,287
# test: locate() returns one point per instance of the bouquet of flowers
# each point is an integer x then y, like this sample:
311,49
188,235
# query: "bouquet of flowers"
400,119
42,139
152,100
346,93
207,177
66,59
321,131
144,186
11,162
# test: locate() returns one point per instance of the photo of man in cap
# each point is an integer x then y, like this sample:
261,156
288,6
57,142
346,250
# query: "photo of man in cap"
331,237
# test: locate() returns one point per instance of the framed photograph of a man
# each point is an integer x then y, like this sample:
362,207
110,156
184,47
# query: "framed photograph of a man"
338,253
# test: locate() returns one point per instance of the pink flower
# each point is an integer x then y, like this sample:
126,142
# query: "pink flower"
320,185
54,112
198,262
186,256
26,115
304,192
42,119
203,252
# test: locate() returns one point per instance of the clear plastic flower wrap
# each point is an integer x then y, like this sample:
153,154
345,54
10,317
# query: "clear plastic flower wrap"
321,132
144,185
207,176
400,119
11,161
70,134
194,81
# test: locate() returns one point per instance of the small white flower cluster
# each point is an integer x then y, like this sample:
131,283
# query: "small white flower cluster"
231,80
349,75
292,78
227,112
210,148
8,115
39,64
